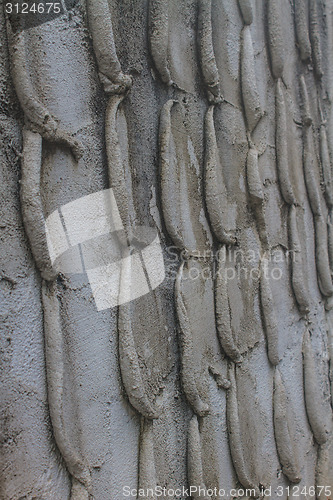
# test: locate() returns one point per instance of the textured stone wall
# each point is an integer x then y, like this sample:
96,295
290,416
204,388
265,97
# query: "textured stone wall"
211,121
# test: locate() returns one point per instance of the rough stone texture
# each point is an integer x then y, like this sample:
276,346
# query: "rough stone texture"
174,332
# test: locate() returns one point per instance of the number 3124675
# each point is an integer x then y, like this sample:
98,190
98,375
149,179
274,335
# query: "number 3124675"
35,8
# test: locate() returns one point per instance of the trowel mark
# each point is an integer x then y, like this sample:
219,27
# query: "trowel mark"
235,437
154,211
194,459
147,470
285,442
222,311
321,239
302,29
216,197
330,238
31,202
269,315
324,473
250,92
256,194
128,357
180,186
297,276
100,25
246,9
119,174
281,142
306,111
315,38
320,419
38,118
159,37
326,166
189,379
322,257
275,22
206,50
55,383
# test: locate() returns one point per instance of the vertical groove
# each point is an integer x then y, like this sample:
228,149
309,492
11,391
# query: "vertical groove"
320,419
194,459
235,437
285,440
302,29
269,315
206,50
100,25
55,382
281,141
297,276
159,37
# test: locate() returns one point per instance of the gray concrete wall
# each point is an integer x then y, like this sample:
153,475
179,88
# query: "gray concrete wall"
79,385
